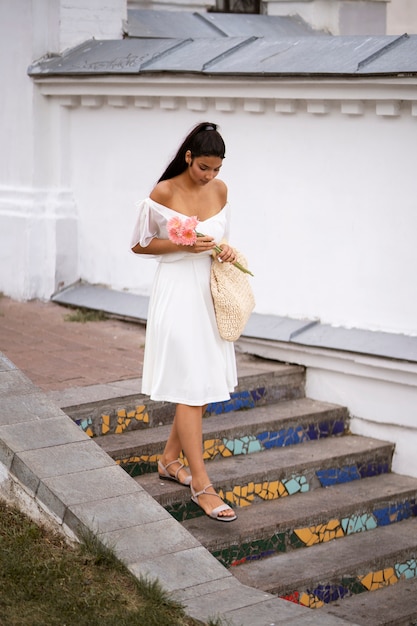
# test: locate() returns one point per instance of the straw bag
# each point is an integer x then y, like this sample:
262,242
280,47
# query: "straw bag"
232,297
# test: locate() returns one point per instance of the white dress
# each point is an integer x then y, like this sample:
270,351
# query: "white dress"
185,360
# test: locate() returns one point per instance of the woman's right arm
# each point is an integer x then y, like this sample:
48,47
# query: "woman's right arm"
156,247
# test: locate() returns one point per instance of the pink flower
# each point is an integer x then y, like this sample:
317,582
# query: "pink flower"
182,232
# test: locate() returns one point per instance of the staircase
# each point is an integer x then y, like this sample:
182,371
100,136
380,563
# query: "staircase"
322,521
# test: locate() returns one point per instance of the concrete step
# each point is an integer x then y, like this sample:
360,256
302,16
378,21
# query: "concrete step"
330,571
261,382
390,606
247,480
237,433
307,519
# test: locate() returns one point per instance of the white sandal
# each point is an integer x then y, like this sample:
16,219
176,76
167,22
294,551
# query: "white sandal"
214,514
165,475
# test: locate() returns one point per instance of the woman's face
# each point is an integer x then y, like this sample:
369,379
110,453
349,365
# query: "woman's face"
202,169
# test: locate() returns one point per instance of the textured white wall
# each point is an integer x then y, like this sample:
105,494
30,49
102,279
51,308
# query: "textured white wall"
323,204
338,17
402,17
38,215
322,197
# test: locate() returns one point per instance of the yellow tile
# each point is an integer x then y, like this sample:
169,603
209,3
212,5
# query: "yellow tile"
273,488
105,419
381,578
247,499
307,536
310,600
332,524
105,429
282,490
121,413
89,432
131,414
225,452
118,430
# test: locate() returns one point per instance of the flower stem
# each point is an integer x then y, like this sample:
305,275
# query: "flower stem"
236,264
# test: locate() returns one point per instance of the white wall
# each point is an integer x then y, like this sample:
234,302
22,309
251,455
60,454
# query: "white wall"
38,213
338,17
402,17
323,195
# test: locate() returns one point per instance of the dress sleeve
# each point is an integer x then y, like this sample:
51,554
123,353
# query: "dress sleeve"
146,227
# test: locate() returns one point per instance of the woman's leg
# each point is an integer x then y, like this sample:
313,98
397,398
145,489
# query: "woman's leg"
189,435
172,452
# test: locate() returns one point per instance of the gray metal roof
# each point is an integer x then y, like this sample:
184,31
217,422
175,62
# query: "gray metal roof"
224,53
146,23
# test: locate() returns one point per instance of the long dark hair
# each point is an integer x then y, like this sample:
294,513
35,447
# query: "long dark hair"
203,140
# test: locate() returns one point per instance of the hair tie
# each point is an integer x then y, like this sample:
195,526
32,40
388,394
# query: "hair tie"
210,127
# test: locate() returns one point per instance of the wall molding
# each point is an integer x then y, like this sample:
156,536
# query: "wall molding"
350,97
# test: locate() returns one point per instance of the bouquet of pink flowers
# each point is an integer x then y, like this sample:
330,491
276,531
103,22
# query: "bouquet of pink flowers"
183,233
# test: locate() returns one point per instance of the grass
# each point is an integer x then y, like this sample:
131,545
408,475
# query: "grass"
85,315
46,582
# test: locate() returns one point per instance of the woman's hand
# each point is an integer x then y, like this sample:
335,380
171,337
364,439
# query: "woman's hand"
202,244
227,254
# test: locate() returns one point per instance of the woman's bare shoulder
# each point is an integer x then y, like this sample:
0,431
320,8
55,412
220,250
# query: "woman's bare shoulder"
162,192
221,190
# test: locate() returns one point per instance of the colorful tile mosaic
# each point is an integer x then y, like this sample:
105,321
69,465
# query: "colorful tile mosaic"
373,580
139,465
250,551
249,444
117,422
124,418
86,425
347,473
308,536
114,423
238,400
244,495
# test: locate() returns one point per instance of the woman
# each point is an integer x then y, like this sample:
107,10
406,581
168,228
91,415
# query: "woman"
186,362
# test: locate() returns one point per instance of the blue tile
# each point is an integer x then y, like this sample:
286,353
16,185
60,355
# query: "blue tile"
338,427
406,570
312,432
367,470
336,475
258,394
329,593
394,513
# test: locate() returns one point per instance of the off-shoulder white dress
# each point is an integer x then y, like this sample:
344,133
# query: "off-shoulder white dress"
185,360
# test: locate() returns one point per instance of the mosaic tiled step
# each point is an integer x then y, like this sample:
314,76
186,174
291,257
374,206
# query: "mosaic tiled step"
280,472
328,572
308,519
261,382
394,605
235,434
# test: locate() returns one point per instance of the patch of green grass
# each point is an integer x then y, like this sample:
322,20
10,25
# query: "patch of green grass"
85,315
46,582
